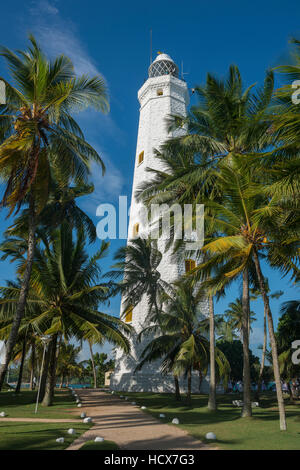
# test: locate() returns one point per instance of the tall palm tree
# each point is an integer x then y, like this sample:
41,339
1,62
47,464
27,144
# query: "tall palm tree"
255,293
37,134
234,314
247,220
138,263
63,295
179,336
67,361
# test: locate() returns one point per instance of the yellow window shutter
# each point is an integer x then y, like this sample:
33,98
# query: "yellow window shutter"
128,315
141,157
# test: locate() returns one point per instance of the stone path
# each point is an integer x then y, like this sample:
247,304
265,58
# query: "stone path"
119,421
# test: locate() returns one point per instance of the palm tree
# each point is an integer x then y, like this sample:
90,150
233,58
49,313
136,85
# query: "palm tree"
138,263
234,316
67,361
61,205
180,340
246,219
38,134
255,293
63,295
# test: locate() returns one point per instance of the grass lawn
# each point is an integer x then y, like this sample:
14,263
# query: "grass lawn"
37,436
233,432
105,445
22,405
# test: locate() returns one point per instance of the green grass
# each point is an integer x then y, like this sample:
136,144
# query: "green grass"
233,432
22,405
105,445
37,436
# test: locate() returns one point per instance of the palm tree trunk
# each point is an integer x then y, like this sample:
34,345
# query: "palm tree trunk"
247,410
45,373
200,380
62,381
212,402
189,381
50,384
177,389
273,343
93,365
32,385
263,358
23,292
18,387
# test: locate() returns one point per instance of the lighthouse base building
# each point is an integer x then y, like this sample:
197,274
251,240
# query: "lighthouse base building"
162,95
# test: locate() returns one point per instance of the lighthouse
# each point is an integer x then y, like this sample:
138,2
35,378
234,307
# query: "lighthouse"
162,95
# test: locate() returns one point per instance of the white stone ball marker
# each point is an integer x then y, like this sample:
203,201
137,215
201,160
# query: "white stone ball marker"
71,431
175,421
211,436
87,420
60,440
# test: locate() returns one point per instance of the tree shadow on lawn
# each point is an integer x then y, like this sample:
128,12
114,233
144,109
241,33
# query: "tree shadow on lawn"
28,397
32,439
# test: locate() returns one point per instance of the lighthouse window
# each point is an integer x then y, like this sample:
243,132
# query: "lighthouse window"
136,229
128,315
190,264
159,92
141,157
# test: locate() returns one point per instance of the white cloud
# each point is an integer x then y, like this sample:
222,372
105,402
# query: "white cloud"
58,35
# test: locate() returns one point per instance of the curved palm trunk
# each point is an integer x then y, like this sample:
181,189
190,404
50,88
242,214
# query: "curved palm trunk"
177,389
18,387
247,410
212,402
93,365
23,293
265,297
263,358
44,373
32,384
50,384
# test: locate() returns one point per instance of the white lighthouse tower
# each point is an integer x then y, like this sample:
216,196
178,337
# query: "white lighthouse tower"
163,94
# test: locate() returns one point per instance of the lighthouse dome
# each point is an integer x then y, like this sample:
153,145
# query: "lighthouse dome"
163,65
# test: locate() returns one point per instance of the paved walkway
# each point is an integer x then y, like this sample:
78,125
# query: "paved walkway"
119,421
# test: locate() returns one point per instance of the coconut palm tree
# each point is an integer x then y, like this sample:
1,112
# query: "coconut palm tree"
179,340
138,263
67,361
255,293
63,295
248,222
37,134
234,315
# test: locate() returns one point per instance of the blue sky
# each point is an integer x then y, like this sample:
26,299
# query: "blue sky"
112,38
